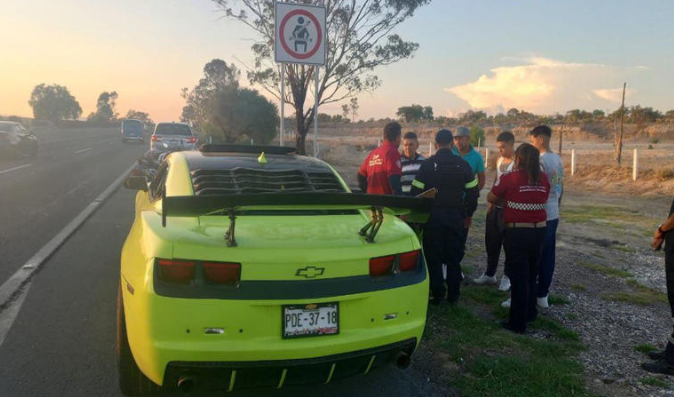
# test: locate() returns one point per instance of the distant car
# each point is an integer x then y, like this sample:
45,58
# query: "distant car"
173,136
244,270
132,130
16,141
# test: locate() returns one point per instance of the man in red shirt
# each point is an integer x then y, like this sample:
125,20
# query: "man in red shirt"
380,172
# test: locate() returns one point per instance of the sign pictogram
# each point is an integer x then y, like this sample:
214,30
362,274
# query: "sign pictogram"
300,34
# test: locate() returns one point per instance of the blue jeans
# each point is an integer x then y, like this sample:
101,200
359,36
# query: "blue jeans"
547,262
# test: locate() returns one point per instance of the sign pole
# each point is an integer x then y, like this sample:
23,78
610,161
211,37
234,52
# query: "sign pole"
283,97
316,113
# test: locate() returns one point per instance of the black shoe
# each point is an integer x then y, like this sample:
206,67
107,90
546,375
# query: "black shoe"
657,356
659,367
506,325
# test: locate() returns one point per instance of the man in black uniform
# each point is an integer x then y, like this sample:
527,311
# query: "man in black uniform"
443,242
664,360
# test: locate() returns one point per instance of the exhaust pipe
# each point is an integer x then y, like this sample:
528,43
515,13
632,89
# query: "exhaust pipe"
186,384
403,360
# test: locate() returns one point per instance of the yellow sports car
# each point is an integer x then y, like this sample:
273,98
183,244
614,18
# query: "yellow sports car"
253,267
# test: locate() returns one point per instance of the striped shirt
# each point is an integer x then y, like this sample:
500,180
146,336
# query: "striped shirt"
410,169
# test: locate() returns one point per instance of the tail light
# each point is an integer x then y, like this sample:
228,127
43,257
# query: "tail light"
155,138
223,273
408,261
381,266
192,140
178,272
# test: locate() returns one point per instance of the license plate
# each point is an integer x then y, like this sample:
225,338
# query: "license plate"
310,320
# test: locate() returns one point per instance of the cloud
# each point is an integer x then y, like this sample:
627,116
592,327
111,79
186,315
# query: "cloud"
544,85
613,94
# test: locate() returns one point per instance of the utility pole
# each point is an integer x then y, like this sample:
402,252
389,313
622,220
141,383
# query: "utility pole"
561,130
619,147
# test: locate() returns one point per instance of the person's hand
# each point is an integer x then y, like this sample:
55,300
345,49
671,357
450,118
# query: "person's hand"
656,244
490,207
467,222
658,234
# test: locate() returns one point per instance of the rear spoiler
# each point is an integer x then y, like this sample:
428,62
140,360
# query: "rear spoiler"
417,209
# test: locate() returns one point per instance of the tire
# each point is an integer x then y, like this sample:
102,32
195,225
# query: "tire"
132,382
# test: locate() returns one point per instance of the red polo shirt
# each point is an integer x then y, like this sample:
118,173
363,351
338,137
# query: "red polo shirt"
379,165
524,203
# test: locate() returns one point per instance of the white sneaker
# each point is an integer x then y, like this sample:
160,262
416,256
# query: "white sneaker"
506,304
543,302
484,279
505,283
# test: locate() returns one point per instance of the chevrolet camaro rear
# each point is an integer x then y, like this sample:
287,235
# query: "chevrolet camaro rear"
242,273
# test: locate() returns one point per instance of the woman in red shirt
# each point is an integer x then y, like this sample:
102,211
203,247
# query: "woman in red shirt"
525,192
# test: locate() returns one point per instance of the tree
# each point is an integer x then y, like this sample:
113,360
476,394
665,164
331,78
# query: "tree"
410,113
354,107
428,113
142,116
345,111
476,135
53,103
218,75
105,108
360,39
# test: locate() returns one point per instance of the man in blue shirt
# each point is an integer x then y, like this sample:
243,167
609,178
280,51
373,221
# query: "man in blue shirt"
465,150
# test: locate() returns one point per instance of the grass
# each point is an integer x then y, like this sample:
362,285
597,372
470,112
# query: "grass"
645,348
555,299
640,295
624,248
578,287
652,381
498,363
607,271
614,217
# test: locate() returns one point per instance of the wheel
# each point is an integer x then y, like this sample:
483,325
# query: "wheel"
132,382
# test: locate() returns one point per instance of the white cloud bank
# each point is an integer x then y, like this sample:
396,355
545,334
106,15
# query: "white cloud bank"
543,85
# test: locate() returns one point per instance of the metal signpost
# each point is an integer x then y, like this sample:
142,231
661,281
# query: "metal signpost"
300,38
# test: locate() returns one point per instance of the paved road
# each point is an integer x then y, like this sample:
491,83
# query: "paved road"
62,342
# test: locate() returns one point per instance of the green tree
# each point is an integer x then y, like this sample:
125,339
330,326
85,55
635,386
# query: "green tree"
105,108
353,109
412,113
428,113
218,75
142,116
53,103
234,114
359,33
476,135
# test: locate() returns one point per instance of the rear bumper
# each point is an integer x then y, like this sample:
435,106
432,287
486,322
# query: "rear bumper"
232,376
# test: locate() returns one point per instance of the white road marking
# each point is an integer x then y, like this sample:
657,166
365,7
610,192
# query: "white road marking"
14,290
83,150
14,169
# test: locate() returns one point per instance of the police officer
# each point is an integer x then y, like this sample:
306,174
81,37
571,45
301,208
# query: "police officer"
664,360
443,233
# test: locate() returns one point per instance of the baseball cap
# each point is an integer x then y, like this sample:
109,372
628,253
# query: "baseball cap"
444,136
462,131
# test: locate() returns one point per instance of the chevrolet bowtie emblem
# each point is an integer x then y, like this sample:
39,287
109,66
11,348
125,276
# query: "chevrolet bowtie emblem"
310,272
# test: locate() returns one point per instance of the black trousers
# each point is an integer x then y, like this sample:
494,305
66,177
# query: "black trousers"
669,274
493,239
443,243
523,250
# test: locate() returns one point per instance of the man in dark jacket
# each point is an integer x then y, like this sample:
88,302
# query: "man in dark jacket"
664,360
454,203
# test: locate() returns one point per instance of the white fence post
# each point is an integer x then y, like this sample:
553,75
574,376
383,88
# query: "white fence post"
486,158
430,149
635,166
573,162
378,142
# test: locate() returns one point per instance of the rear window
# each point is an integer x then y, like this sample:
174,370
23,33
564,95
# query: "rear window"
132,124
172,129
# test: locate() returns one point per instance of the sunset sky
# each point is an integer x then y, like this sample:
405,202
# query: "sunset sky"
541,56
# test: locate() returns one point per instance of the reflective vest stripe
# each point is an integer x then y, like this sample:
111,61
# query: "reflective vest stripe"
418,183
472,184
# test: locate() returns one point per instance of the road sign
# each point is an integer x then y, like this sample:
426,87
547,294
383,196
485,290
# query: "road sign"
300,34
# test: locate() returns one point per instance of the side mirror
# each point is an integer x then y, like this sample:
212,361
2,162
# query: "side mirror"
136,183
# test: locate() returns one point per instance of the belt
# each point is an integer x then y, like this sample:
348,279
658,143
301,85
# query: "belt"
519,225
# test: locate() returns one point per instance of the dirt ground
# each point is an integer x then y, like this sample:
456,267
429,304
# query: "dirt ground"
611,286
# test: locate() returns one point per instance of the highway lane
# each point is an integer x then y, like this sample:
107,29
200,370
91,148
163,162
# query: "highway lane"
63,340
39,196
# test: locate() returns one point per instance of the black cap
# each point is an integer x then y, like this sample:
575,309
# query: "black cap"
541,130
444,137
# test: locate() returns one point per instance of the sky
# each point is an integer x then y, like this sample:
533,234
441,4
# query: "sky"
541,56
